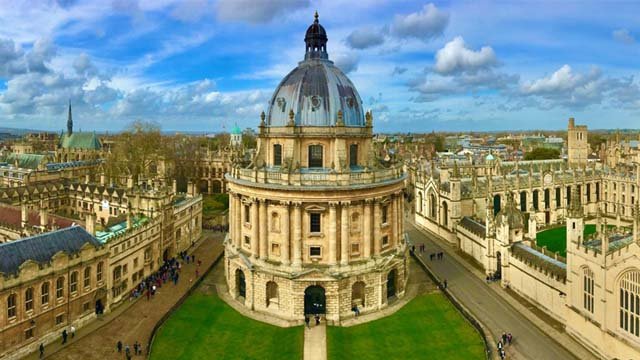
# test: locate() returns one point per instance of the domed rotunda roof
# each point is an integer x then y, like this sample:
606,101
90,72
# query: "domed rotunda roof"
315,91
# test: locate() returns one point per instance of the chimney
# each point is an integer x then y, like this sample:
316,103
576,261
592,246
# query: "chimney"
91,224
175,186
129,182
191,189
87,178
102,179
24,215
129,220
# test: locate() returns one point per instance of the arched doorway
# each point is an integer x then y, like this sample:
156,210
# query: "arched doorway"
315,301
391,283
241,286
272,294
498,274
357,294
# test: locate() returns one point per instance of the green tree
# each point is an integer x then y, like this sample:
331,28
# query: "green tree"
542,153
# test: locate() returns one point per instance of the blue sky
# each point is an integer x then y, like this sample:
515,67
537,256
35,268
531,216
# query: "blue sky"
199,65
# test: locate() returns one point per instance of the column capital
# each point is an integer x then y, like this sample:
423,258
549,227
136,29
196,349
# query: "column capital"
345,203
368,201
297,204
285,202
333,204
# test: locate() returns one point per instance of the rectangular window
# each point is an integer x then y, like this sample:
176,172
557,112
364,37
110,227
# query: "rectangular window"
86,307
44,297
135,262
315,156
558,196
385,240
275,249
314,222
28,334
60,288
247,240
277,155
99,272
353,155
315,251
247,213
11,306
355,249
73,283
59,319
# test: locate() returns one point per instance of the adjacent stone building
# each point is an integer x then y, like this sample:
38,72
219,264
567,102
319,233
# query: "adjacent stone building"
316,223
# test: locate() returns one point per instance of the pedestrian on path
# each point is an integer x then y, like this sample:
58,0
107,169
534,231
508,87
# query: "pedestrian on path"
41,350
64,336
504,337
73,331
444,284
119,346
509,338
306,321
127,352
317,319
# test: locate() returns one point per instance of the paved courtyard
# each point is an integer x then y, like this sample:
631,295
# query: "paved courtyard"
134,321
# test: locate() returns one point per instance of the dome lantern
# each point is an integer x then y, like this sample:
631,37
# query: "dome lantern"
316,41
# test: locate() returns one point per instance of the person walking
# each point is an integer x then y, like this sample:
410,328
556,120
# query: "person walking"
73,331
41,350
64,336
317,319
306,321
119,346
444,284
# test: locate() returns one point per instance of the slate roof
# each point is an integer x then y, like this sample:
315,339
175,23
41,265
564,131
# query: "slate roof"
540,260
473,226
25,161
41,248
80,140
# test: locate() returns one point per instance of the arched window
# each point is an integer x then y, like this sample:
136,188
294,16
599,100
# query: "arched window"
87,277
11,306
315,156
433,206
44,293
73,283
28,299
277,155
99,272
420,202
445,213
630,303
587,289
60,288
272,294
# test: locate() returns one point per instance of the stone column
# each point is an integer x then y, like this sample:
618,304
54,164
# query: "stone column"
297,234
286,259
239,221
367,229
232,218
394,220
333,239
377,227
344,233
264,221
255,227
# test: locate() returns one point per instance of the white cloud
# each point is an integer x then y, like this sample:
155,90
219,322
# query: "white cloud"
256,11
561,80
425,24
347,62
365,38
455,57
623,36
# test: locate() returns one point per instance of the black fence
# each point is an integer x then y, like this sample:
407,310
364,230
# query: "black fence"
179,303
470,318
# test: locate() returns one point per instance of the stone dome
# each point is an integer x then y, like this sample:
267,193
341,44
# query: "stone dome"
315,91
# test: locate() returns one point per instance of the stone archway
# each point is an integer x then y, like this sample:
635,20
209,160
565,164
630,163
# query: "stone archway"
358,294
315,300
241,285
272,295
391,283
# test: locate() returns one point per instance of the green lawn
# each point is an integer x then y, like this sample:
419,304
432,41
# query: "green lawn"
556,239
428,327
205,327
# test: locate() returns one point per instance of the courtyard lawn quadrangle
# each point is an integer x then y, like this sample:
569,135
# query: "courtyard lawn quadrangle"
205,327
428,327
556,239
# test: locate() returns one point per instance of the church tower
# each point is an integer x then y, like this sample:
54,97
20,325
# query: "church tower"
577,144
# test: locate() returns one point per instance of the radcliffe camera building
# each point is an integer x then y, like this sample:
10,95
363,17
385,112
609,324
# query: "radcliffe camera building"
316,223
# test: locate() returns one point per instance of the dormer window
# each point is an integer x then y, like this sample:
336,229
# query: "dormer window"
315,156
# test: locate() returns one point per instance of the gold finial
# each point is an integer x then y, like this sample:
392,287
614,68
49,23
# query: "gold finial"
316,16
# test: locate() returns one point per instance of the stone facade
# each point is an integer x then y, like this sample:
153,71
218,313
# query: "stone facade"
316,220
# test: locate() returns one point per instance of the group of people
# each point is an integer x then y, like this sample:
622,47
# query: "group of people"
169,271
437,256
65,337
422,248
505,340
137,349
307,320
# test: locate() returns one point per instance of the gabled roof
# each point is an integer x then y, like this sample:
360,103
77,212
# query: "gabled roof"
41,248
82,140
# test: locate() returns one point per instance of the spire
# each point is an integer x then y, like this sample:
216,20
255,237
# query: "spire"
69,121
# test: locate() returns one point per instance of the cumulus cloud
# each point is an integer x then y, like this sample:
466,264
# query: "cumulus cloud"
256,11
455,57
365,38
623,36
347,62
425,24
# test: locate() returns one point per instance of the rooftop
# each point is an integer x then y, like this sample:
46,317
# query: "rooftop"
104,236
